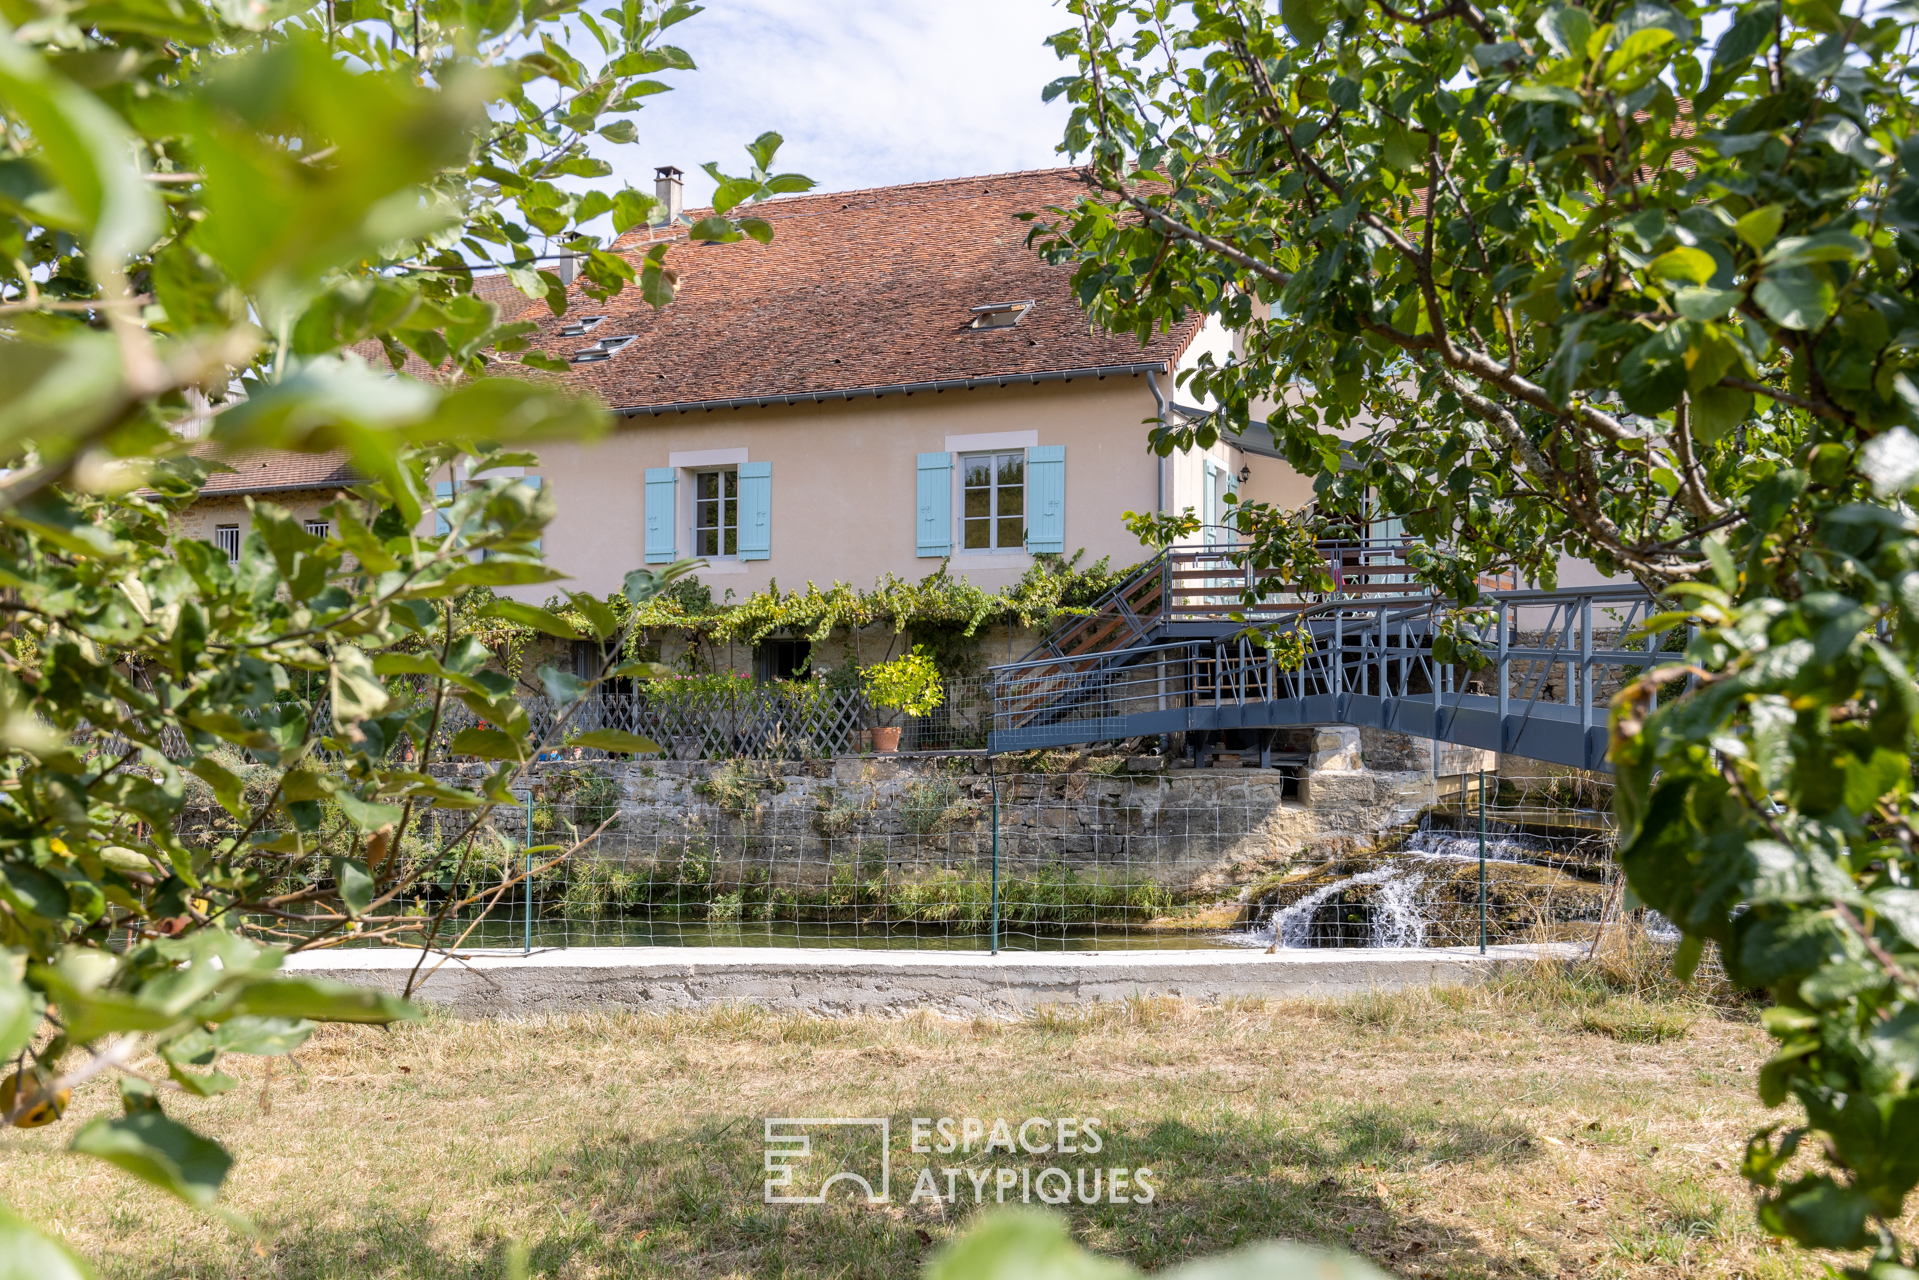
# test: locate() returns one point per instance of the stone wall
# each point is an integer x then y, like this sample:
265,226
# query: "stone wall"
1197,832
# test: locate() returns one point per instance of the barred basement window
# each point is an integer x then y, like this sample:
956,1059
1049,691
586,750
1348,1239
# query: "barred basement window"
320,528
227,538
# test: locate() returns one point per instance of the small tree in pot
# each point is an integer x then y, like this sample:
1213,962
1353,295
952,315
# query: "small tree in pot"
908,685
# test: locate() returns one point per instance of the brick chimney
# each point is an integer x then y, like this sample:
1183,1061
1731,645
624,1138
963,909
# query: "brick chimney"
670,191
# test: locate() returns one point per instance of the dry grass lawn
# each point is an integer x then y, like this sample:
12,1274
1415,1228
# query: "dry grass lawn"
1539,1126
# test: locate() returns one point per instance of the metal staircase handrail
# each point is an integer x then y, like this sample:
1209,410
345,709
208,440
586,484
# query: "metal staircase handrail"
1369,661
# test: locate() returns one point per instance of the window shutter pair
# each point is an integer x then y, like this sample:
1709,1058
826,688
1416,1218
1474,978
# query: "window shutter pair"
1045,502
756,512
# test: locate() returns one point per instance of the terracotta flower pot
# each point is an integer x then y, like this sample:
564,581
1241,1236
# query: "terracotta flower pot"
887,738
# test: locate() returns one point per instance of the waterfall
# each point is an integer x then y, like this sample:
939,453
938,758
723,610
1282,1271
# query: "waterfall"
1396,918
1291,924
1453,845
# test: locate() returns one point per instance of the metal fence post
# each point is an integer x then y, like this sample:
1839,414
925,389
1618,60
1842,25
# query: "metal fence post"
1482,862
527,893
992,782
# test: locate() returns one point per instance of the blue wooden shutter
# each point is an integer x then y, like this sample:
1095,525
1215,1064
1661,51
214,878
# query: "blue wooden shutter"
934,527
1046,498
756,510
660,514
442,491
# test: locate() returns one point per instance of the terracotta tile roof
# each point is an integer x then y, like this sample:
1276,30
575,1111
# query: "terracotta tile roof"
859,289
272,471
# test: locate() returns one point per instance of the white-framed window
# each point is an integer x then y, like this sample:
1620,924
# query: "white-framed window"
227,538
993,497
716,513
320,528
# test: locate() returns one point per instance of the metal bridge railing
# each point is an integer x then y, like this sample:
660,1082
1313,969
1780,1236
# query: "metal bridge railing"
1549,662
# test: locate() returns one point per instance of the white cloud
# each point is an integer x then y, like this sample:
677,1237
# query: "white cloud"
866,93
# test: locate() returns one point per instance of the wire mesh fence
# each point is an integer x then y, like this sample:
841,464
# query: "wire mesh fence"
1043,853
729,717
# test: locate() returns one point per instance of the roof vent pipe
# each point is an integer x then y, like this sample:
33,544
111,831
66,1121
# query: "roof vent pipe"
670,191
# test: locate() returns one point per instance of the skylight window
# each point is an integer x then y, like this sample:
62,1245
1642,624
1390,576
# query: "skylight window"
601,350
999,315
578,328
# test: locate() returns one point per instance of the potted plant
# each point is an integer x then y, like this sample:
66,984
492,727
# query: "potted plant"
908,685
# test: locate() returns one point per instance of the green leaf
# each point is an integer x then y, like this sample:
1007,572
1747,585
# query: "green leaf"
1717,410
1566,28
1795,297
200,1086
18,1016
83,146
1705,304
356,691
632,209
355,884
1760,227
161,1151
615,740
1548,93
262,1037
1692,265
26,1254
367,815
1827,246
1304,19
320,1000
227,787
1652,377
563,687
1019,1245
642,670
502,573
488,744
89,1015
598,616
532,616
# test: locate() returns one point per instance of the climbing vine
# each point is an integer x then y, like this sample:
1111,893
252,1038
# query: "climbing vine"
1053,588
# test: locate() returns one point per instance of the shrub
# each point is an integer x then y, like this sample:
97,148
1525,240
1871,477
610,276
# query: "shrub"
909,684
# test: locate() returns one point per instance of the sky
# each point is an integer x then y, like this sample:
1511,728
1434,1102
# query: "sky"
866,92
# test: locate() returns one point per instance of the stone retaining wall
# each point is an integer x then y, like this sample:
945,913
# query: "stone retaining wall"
1194,831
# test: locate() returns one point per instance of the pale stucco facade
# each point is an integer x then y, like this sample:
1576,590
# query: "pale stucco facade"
844,500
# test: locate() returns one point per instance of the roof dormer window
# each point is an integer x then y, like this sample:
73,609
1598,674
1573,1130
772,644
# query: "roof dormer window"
999,315
601,350
578,328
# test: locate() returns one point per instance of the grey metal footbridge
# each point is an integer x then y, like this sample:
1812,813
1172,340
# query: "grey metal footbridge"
1163,653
